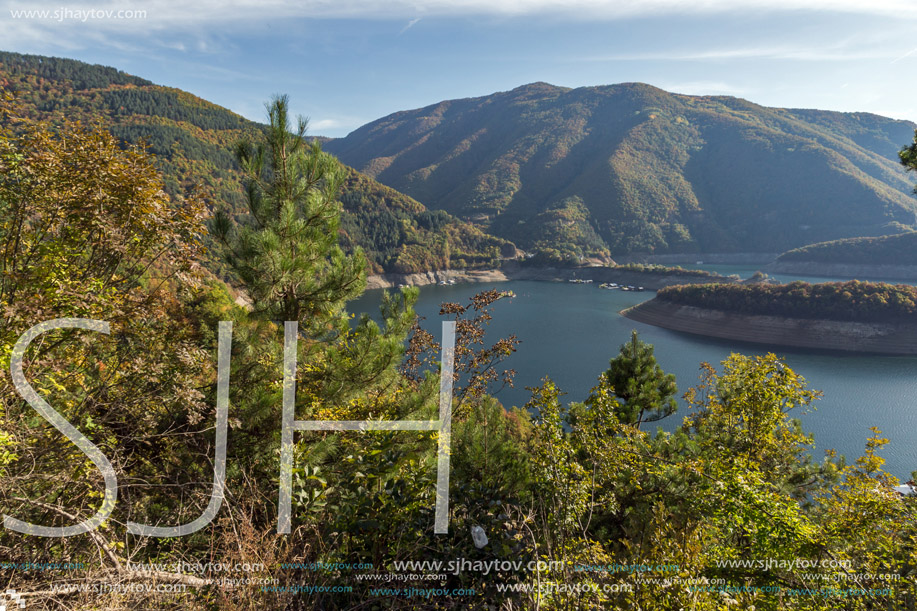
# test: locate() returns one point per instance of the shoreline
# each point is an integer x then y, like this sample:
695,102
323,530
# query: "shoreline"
715,258
391,280
512,271
859,337
843,270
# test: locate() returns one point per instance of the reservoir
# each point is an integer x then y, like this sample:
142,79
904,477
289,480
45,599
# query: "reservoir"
570,331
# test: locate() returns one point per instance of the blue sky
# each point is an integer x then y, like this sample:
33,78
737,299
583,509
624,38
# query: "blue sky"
347,62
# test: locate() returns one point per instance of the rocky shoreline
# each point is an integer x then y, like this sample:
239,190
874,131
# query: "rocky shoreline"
383,281
513,271
878,338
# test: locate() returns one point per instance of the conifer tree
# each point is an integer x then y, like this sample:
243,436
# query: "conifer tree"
645,391
287,254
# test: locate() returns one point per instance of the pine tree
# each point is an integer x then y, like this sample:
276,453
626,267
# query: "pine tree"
645,391
287,254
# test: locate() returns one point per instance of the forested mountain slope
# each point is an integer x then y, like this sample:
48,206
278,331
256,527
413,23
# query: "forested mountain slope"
193,142
633,168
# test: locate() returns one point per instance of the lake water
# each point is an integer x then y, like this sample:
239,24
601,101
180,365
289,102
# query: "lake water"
570,331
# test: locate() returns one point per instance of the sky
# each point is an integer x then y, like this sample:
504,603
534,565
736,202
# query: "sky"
345,63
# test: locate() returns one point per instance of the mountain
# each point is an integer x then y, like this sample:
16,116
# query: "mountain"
632,168
193,141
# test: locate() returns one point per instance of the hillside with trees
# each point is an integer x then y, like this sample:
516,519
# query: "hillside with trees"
630,168
193,141
580,507
844,301
899,249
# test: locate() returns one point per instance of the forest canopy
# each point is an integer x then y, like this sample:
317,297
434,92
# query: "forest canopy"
846,301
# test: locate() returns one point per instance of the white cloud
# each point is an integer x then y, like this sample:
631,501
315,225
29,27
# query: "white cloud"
586,9
333,126
839,52
704,88
904,56
410,25
170,18
162,13
324,124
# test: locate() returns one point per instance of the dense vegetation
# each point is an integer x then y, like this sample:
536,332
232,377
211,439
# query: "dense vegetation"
666,270
900,249
849,301
82,76
618,517
399,235
193,139
631,168
896,249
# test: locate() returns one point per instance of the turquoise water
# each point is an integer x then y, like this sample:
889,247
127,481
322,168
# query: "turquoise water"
570,331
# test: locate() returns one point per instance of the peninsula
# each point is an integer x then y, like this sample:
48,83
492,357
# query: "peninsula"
888,256
847,316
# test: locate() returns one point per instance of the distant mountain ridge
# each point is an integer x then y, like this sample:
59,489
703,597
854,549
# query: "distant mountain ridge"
193,141
631,168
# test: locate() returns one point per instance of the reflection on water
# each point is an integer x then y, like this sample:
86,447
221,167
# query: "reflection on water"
570,331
